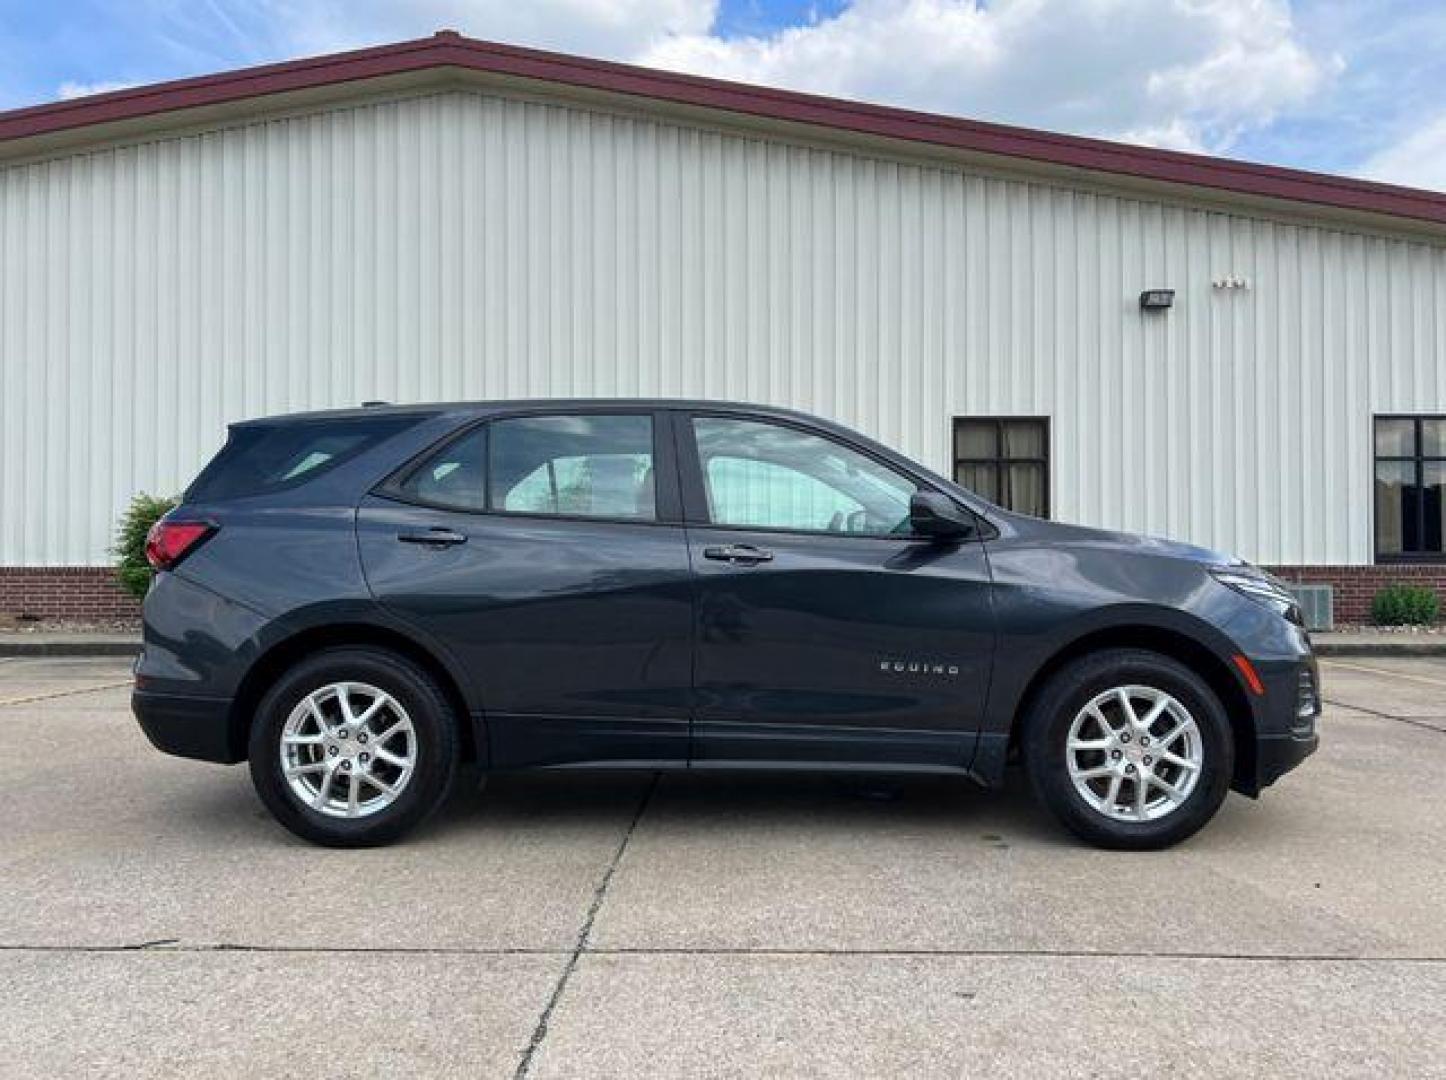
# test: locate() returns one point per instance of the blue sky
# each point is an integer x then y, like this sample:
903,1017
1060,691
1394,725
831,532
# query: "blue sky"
1351,87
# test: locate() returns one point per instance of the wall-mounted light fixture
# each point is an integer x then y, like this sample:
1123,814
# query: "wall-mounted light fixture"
1157,299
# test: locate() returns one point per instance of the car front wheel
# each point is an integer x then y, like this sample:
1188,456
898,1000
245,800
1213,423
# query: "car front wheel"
353,747
1129,749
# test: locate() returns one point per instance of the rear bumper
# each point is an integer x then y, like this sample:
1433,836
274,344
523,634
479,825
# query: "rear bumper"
189,726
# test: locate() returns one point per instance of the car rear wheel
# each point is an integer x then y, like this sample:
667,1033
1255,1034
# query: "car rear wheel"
353,747
1129,749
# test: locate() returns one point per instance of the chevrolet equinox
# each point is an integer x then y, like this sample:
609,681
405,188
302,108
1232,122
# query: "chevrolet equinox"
357,601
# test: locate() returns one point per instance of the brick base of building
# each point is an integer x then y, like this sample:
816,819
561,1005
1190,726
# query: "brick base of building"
72,594
90,594
1354,587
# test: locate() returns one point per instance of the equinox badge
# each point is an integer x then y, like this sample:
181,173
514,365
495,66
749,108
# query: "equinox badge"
918,667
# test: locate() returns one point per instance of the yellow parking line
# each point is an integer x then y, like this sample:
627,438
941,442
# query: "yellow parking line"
62,693
1332,662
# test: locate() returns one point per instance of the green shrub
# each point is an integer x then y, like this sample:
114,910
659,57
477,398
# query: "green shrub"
1405,605
131,569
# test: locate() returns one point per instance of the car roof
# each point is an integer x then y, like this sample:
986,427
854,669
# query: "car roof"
487,408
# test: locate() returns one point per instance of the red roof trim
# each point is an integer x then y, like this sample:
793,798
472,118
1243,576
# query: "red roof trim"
448,49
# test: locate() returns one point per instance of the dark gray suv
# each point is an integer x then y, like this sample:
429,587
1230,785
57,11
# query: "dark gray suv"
357,601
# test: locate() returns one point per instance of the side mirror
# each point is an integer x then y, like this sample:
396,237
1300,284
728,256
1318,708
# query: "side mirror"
934,516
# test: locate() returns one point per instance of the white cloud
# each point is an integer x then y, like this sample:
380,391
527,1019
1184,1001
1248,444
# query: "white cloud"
1418,160
1190,74
1186,74
620,29
68,91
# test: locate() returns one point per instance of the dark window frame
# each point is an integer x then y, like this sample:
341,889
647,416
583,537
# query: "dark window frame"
1418,460
1000,462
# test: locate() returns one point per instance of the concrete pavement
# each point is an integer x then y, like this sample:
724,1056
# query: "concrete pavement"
153,919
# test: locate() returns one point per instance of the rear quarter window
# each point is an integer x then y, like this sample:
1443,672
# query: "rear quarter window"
271,457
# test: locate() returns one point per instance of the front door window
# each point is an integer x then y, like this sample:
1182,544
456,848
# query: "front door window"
771,476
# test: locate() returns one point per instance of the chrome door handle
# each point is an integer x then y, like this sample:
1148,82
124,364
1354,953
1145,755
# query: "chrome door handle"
433,538
738,553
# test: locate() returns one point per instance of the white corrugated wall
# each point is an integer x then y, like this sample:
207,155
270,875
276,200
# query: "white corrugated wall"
469,246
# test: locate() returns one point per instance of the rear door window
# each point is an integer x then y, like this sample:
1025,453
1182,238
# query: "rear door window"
592,465
261,458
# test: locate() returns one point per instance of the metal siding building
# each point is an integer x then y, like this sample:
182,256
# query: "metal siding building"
511,239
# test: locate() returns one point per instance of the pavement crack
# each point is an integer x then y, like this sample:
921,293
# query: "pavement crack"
62,693
173,946
539,1033
1028,954
1385,715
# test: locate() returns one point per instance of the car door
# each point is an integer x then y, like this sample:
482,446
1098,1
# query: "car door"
826,632
545,551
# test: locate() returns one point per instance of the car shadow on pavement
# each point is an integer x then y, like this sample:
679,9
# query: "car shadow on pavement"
228,811
756,800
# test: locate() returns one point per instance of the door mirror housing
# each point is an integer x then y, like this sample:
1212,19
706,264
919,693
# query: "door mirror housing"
938,518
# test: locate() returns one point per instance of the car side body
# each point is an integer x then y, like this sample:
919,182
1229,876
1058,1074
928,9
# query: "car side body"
662,642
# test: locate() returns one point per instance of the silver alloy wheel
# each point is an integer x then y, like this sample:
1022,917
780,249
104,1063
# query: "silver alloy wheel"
1134,753
348,750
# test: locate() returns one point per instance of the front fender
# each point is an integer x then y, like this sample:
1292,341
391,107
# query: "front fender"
1052,599
1022,656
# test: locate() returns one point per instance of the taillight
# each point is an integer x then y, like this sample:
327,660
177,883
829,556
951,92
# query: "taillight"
169,542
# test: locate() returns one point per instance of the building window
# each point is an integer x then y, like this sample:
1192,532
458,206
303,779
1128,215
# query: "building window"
1005,460
1410,483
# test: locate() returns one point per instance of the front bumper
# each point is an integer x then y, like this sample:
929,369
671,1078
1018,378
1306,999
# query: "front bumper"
189,726
1287,719
1276,755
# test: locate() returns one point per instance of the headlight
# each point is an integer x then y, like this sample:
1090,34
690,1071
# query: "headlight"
1262,588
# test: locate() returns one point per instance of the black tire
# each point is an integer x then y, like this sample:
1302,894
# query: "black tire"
433,721
1046,729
